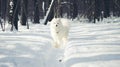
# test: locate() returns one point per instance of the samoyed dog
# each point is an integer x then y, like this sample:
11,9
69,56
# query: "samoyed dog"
59,28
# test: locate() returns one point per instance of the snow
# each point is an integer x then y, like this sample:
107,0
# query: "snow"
89,45
94,45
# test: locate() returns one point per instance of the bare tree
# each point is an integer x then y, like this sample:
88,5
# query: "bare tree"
36,11
24,12
50,12
16,7
106,8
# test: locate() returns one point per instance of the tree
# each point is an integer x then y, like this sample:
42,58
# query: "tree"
75,9
24,11
0,15
50,13
97,10
3,13
16,7
36,11
106,8
57,9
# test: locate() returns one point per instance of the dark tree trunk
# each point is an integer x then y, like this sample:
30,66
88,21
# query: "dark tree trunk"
97,11
106,8
15,14
24,4
3,8
3,12
0,15
50,14
36,11
75,9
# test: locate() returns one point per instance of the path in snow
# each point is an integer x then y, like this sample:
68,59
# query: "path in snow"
28,48
90,45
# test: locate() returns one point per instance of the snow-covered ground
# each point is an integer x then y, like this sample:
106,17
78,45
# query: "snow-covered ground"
94,45
89,45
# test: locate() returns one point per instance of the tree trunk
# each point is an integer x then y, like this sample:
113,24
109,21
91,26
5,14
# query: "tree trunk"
24,12
75,9
97,11
36,12
50,13
106,8
15,14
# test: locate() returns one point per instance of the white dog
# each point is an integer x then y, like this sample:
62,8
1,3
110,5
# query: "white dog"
59,31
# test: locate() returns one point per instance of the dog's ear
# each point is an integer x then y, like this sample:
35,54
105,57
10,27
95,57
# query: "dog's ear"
59,19
54,18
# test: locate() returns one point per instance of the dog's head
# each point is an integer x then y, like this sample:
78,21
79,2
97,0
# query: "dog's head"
56,22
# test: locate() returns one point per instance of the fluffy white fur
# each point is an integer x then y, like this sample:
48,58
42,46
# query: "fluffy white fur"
59,31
